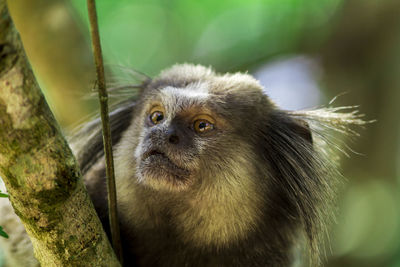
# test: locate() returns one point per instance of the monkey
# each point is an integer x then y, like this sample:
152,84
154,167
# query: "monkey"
210,172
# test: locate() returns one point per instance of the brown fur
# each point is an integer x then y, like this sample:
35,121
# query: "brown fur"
244,194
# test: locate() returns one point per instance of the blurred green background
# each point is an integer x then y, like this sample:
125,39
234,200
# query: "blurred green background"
305,52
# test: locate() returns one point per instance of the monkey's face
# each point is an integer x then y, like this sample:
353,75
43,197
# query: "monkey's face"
197,130
177,127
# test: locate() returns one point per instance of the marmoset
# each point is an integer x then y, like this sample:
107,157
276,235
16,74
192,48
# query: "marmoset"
210,172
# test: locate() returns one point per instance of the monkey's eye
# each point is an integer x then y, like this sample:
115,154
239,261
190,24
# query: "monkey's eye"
203,126
156,117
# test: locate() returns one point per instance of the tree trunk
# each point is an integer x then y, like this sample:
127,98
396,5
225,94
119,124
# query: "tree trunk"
39,169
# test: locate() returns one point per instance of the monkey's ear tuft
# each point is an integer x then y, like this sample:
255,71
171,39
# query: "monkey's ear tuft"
302,128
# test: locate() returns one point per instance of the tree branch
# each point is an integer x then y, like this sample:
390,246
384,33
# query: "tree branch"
39,170
59,53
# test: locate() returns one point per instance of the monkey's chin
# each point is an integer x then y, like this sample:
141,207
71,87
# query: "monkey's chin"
160,173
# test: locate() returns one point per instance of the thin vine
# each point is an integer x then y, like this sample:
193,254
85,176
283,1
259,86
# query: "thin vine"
103,98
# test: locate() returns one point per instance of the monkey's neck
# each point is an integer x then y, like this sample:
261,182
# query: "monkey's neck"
207,216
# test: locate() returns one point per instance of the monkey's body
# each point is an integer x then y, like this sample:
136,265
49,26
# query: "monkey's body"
210,172
153,240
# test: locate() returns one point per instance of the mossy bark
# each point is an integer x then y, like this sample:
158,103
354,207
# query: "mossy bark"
39,169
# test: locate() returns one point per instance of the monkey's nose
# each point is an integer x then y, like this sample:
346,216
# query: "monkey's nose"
173,139
172,136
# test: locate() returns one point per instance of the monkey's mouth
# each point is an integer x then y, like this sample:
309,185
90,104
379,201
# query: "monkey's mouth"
154,153
156,164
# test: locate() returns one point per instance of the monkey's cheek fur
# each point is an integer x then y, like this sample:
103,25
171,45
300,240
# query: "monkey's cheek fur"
160,173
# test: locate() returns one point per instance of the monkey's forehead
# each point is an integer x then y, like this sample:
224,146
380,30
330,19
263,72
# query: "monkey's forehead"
201,82
194,97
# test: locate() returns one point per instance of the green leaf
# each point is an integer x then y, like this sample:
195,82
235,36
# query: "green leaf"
3,195
2,233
